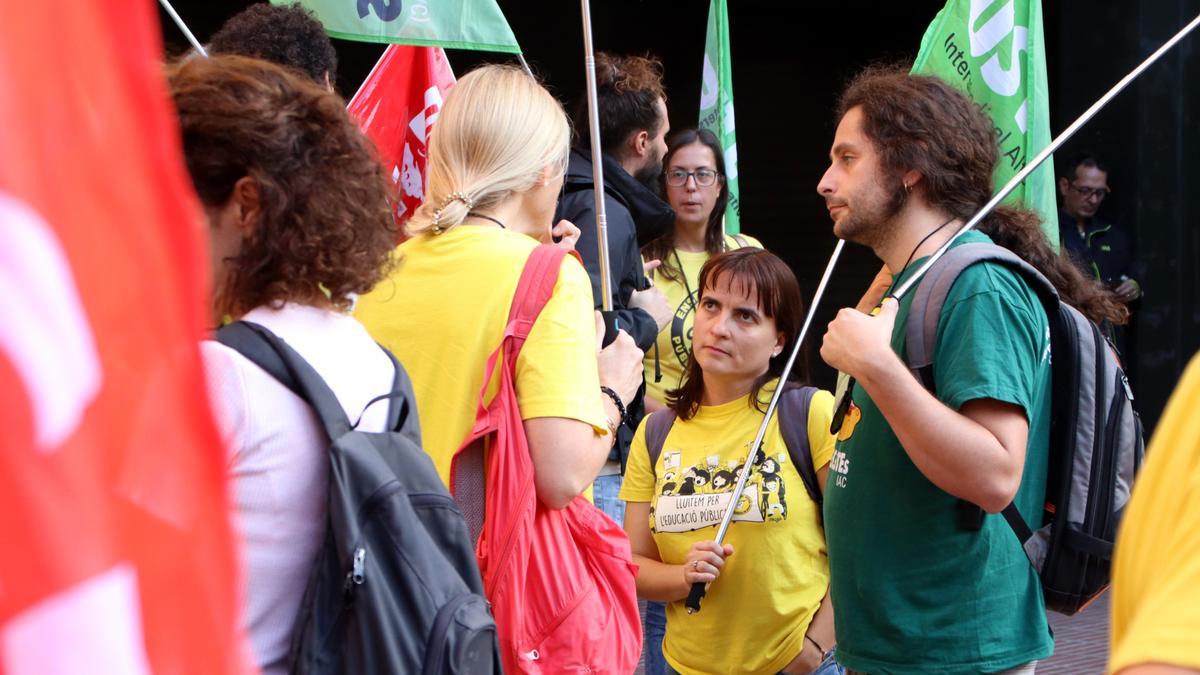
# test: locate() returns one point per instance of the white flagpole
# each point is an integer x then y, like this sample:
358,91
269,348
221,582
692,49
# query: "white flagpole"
166,4
589,59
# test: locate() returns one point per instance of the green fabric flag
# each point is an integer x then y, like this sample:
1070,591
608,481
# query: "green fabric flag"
995,52
716,103
464,24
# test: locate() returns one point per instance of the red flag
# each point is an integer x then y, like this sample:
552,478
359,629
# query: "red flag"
118,555
396,107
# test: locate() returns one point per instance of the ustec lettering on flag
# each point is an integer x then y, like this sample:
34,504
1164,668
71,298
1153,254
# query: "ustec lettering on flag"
396,107
995,53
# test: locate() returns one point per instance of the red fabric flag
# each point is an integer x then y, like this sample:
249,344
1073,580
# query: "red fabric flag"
118,555
396,107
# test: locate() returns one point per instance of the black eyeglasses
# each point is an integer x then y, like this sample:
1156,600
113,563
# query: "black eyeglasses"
1098,193
704,177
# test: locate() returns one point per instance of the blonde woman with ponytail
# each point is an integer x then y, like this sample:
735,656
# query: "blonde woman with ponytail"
497,157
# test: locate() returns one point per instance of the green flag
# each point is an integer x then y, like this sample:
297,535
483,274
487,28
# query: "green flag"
716,103
463,24
995,53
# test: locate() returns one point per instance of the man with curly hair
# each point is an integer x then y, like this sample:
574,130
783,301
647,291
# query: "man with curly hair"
287,35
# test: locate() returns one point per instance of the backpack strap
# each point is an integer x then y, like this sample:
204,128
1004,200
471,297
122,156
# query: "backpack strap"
793,409
468,470
533,292
921,336
267,351
921,329
658,425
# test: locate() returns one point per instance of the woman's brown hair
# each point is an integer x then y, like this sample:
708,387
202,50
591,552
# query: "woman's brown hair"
325,229
766,278
714,233
920,123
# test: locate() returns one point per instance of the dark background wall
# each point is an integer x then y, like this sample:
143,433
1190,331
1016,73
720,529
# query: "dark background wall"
790,61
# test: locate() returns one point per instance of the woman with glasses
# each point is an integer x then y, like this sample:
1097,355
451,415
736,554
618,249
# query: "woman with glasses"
694,183
767,609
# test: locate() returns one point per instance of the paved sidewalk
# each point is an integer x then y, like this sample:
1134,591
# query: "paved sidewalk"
1080,641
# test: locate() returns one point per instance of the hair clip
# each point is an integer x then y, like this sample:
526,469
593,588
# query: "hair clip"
437,215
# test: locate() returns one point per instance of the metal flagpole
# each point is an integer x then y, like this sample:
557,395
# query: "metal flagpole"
521,58
843,403
589,60
166,4
697,592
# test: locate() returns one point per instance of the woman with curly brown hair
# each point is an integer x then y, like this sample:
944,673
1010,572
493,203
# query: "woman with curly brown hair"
299,222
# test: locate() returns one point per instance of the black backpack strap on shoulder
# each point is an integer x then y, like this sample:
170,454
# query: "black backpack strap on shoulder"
267,351
243,339
793,426
921,336
658,425
921,331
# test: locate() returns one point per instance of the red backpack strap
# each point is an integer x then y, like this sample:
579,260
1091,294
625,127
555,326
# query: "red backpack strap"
533,292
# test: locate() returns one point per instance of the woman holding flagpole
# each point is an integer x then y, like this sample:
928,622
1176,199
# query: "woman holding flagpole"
768,608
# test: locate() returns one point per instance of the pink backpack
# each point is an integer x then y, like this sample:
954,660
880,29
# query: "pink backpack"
561,582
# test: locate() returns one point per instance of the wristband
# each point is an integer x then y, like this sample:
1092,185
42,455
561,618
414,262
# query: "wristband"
617,400
819,647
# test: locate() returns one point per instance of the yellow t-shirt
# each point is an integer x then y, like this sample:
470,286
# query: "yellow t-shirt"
756,613
442,312
675,340
1156,578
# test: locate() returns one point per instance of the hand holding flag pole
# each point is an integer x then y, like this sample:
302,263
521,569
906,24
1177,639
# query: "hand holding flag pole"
843,402
698,588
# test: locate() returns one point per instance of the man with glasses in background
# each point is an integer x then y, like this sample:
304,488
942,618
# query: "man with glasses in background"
1101,249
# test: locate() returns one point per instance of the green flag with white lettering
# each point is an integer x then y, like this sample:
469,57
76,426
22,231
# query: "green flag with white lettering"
462,24
995,52
716,103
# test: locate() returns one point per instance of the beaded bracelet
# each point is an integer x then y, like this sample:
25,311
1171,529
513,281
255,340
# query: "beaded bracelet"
617,400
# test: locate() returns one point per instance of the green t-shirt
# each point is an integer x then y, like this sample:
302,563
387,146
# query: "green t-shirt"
913,592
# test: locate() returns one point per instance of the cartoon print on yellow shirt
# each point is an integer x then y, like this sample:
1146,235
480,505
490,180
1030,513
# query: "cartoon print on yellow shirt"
698,497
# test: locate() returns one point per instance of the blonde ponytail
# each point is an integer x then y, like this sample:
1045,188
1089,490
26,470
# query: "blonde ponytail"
495,135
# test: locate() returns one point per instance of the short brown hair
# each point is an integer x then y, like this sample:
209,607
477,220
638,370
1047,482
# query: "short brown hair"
326,228
763,275
627,89
919,122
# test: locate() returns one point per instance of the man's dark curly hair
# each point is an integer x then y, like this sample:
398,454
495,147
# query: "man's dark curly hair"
627,89
288,35
921,122
325,228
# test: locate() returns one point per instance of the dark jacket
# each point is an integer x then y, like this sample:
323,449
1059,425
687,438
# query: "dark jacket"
631,210
1104,252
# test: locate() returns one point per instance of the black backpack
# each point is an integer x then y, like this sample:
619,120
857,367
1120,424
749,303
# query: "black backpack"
1096,444
793,426
395,587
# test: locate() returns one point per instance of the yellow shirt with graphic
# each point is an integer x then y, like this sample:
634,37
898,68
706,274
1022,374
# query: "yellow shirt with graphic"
756,613
1156,577
675,340
443,311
